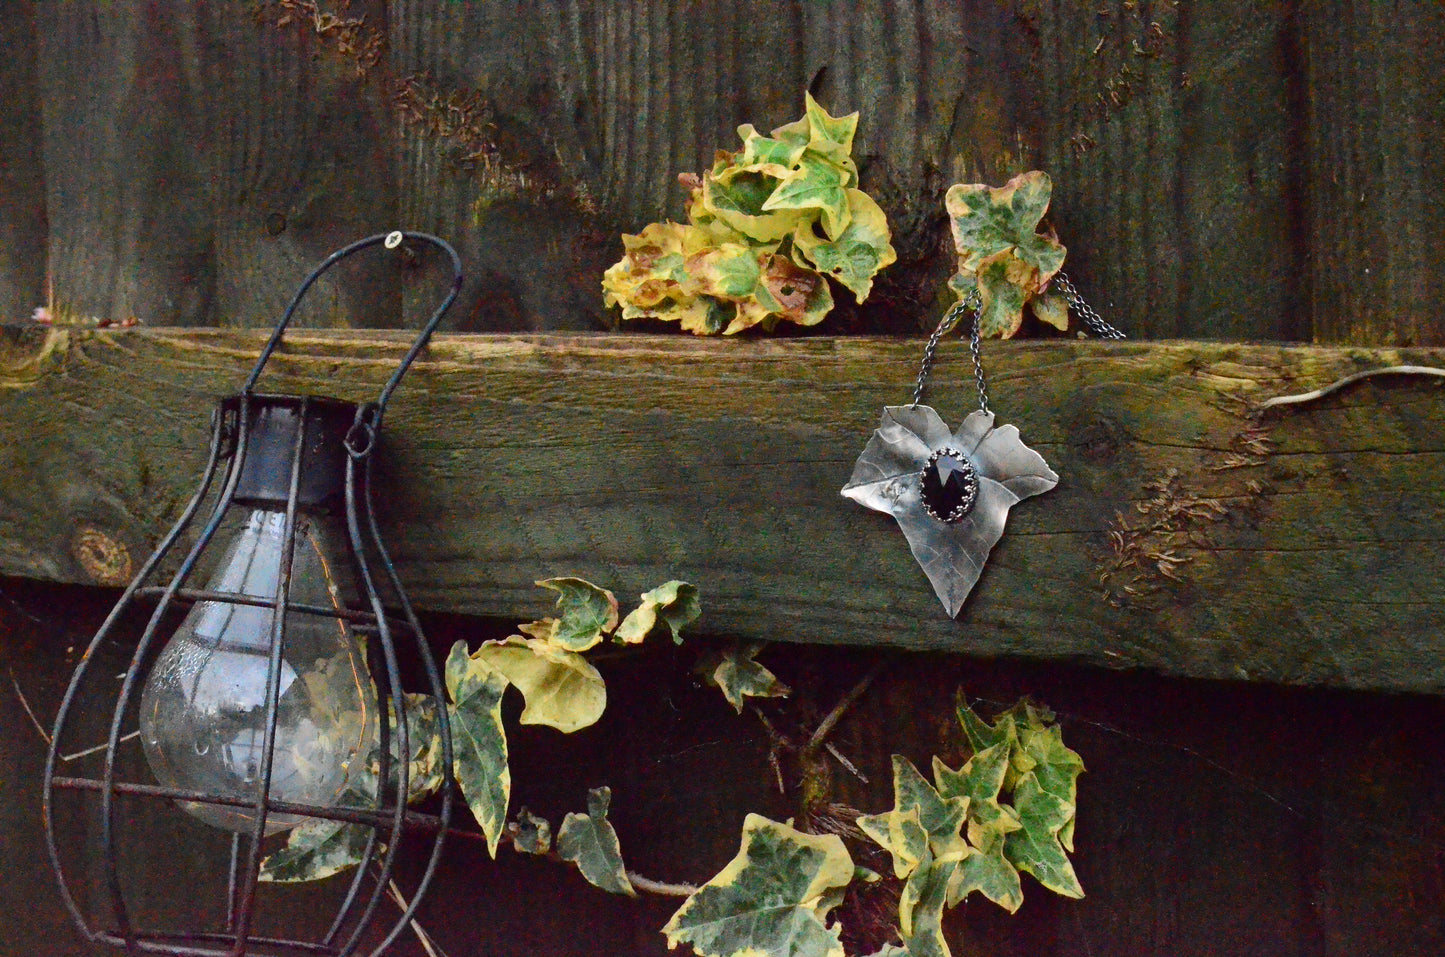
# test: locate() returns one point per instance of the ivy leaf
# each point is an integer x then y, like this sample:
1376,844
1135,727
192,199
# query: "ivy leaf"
316,849
982,735
674,603
901,834
530,834
781,149
987,869
651,278
728,271
817,183
739,677
832,136
789,291
1053,309
920,908
1035,847
1005,283
479,743
980,780
941,818
739,195
589,841
1056,768
425,772
563,690
586,613
773,898
857,255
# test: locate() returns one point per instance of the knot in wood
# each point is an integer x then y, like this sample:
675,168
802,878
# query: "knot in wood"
104,559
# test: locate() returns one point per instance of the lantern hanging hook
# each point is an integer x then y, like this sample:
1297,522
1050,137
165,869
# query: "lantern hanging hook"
362,436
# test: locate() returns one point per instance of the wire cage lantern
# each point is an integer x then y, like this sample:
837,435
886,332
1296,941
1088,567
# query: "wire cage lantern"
266,688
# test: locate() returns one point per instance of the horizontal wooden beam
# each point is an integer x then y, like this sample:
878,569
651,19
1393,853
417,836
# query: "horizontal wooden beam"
1185,535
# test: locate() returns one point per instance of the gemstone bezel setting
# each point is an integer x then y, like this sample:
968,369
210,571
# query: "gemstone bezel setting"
932,492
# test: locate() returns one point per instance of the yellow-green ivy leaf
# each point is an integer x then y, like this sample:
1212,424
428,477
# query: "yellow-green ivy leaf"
479,743
942,818
988,220
1035,847
982,735
857,255
771,899
425,765
987,869
728,271
739,677
791,292
589,841
980,780
782,149
901,834
818,183
738,197
673,603
651,277
562,689
530,834
832,136
586,613
920,908
316,849
1056,769
1052,309
1005,283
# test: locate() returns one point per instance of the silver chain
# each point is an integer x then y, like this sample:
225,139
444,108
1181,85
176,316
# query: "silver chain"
1092,321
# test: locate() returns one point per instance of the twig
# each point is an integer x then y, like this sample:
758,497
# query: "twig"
98,747
427,944
658,887
26,705
827,725
848,765
1348,380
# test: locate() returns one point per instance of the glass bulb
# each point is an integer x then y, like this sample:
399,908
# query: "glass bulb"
203,710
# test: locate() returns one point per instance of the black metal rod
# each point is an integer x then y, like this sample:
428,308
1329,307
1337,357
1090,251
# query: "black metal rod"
381,817
232,887
438,692
273,687
166,544
172,942
193,595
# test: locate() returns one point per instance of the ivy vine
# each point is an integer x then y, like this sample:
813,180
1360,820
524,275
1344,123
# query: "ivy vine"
1009,810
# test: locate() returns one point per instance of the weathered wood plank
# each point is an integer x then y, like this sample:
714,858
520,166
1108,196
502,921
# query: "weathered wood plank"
1181,538
22,175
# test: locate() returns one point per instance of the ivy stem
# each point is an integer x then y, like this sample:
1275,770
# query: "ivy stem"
641,883
826,726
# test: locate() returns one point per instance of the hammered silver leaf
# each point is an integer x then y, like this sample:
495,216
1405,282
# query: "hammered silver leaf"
888,476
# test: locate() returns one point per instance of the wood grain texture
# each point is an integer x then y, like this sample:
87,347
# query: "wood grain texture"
1184,536
1374,206
22,175
1249,169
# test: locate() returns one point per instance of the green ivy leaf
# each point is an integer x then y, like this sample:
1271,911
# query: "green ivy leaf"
530,834
316,849
773,898
782,149
589,841
739,677
425,764
819,184
562,689
980,780
1005,284
987,869
941,818
1056,768
479,743
674,603
858,254
586,613
1035,847
982,735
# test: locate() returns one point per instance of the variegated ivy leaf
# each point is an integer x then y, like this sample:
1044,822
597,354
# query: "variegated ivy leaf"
1056,768
782,149
739,677
1035,848
479,743
980,780
316,849
920,907
987,869
831,136
739,196
857,255
901,834
425,771
818,183
651,279
589,841
773,898
562,689
673,603
1053,309
1000,250
942,819
586,613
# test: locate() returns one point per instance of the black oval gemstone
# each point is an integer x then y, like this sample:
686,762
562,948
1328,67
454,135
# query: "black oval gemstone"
950,485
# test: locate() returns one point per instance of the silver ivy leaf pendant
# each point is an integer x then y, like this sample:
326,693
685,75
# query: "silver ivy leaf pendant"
949,491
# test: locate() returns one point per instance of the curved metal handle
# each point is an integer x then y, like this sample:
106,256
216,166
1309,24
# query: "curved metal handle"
391,240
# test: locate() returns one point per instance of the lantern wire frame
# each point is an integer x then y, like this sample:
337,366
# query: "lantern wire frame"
232,428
